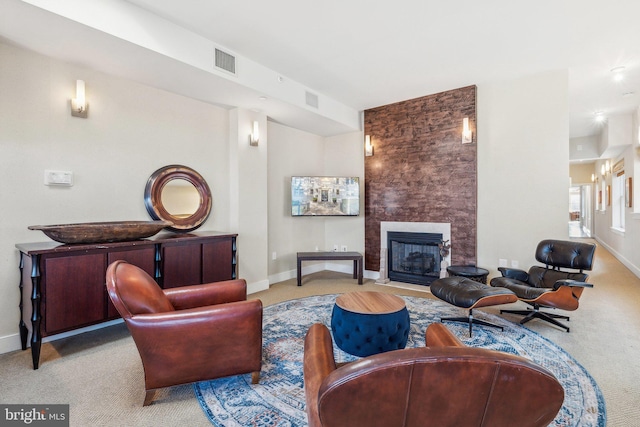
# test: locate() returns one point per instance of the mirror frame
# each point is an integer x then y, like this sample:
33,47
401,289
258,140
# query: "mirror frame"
153,197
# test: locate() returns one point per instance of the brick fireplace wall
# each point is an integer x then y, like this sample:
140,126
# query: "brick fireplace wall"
420,171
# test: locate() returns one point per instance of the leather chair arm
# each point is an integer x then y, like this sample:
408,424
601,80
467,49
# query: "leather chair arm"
514,273
572,283
438,335
319,362
185,297
176,347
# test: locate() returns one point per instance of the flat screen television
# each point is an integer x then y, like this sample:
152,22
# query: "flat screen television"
325,196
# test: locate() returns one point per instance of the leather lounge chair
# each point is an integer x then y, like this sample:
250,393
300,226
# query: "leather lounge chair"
444,384
190,333
556,285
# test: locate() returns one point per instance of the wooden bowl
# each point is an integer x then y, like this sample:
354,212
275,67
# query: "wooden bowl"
101,232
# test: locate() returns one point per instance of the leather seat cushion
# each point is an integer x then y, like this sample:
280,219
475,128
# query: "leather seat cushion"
466,293
521,289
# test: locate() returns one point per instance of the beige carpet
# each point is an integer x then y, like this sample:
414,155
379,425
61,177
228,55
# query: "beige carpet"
99,373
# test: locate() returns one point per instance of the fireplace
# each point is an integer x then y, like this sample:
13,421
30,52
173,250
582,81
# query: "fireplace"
413,257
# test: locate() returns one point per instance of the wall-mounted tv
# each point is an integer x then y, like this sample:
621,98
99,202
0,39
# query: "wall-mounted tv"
325,196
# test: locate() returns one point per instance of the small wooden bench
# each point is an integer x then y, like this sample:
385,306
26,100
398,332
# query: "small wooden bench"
356,257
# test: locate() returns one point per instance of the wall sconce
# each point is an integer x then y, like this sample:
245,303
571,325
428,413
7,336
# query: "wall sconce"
467,136
254,137
593,177
602,170
79,106
368,148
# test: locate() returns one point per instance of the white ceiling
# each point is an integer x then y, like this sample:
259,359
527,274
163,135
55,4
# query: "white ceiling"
365,54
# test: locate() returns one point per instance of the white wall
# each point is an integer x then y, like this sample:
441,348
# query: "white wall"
291,152
297,153
248,197
584,148
132,130
624,246
344,156
523,166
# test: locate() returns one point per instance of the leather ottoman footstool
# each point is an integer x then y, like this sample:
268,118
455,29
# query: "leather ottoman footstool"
469,294
367,323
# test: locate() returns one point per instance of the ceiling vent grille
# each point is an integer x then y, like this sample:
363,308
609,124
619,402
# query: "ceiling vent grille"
311,99
225,61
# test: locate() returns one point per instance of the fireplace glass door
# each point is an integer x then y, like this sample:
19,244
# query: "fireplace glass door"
414,257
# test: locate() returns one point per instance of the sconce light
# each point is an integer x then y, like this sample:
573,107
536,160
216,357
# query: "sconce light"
254,137
467,136
368,148
79,106
602,171
593,177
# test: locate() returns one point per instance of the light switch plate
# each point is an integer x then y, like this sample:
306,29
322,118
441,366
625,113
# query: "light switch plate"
61,178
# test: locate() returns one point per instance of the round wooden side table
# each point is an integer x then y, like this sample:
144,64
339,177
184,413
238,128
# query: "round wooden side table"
469,271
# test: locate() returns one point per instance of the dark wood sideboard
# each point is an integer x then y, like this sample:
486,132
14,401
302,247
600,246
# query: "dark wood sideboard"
62,287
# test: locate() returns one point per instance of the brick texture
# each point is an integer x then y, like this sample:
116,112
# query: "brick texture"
421,171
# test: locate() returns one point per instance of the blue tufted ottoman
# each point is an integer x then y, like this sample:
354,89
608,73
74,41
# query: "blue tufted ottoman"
366,323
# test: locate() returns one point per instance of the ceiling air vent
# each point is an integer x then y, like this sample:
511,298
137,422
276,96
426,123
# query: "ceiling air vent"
225,61
312,99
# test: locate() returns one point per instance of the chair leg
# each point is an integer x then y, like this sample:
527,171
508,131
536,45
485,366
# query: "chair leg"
255,377
148,397
537,314
471,320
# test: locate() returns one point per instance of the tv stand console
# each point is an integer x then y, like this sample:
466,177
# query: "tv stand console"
62,287
332,256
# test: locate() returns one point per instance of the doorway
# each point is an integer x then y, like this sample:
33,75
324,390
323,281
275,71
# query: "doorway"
580,210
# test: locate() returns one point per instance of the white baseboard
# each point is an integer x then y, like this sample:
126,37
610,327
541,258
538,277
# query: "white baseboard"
634,269
281,277
320,266
254,287
12,342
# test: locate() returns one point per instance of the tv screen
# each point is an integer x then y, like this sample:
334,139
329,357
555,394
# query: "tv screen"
325,196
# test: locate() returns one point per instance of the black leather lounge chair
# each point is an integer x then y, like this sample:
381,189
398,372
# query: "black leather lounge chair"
559,284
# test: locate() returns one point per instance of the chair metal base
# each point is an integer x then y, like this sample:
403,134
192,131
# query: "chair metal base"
471,320
537,314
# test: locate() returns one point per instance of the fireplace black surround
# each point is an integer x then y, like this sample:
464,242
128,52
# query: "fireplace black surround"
413,257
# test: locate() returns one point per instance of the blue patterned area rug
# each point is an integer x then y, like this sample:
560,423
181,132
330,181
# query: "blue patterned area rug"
279,398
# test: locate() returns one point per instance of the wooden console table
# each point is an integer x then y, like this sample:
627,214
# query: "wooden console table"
356,257
62,287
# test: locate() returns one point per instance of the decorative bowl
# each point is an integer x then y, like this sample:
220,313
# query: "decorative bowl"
101,232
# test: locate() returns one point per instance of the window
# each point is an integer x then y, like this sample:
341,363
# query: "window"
617,197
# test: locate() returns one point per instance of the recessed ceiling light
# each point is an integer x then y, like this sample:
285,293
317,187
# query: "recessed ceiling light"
628,94
600,117
618,73
262,98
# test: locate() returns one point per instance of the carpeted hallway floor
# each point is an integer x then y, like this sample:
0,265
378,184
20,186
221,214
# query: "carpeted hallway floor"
99,373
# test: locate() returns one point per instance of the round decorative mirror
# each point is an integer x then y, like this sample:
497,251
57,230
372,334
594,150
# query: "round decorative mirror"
180,195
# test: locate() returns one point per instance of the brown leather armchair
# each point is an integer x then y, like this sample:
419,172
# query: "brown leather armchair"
443,384
191,333
559,284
